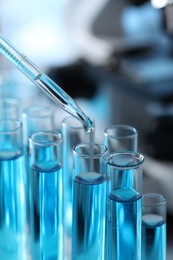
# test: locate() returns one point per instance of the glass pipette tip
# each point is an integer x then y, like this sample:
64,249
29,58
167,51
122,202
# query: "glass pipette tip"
55,92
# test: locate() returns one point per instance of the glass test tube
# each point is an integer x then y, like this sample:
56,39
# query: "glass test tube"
89,202
13,224
153,227
46,198
124,206
9,108
34,119
119,138
73,134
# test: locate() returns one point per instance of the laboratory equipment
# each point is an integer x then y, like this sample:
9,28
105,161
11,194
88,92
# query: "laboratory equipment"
89,202
121,138
13,220
46,198
9,108
124,206
153,226
73,134
34,119
45,83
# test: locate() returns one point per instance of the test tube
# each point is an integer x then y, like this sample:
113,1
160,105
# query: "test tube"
89,202
121,138
153,226
73,134
13,220
9,108
34,118
124,206
46,198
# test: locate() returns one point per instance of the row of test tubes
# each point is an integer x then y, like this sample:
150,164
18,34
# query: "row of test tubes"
63,196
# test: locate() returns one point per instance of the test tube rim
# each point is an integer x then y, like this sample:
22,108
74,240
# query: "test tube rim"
153,194
65,120
119,126
10,121
103,150
48,132
27,112
123,167
10,101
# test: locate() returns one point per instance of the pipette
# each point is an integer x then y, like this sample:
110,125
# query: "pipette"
55,92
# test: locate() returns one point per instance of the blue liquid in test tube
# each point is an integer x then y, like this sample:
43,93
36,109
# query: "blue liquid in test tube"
153,237
46,222
124,224
153,227
89,202
12,208
13,221
124,206
89,216
46,199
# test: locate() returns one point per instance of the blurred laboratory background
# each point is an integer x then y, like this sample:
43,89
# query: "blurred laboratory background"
114,57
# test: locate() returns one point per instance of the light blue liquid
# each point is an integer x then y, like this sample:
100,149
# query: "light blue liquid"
153,237
89,204
124,225
46,212
13,226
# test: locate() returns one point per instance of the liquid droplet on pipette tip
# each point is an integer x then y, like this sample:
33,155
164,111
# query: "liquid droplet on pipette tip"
89,126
